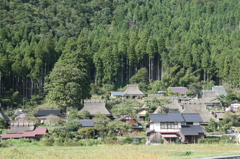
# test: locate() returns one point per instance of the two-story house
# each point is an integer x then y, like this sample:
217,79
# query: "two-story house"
175,126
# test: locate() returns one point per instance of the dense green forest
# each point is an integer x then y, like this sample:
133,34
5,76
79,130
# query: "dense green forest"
107,41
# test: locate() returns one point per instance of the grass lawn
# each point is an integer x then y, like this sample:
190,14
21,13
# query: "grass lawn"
120,151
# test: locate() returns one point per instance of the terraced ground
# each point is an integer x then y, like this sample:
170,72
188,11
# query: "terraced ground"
119,151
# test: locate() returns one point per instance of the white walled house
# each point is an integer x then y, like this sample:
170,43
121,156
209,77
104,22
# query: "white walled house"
175,126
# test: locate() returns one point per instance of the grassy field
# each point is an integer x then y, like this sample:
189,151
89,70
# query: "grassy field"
120,151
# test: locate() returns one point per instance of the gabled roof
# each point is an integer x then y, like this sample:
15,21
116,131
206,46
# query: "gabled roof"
170,117
3,116
132,89
197,107
220,90
46,112
208,96
192,117
117,93
176,117
173,105
180,90
192,129
86,123
33,133
20,127
95,106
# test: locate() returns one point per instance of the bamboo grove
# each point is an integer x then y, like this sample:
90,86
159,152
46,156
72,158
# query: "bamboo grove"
177,41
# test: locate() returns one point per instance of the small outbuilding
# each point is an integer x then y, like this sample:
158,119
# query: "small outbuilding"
24,130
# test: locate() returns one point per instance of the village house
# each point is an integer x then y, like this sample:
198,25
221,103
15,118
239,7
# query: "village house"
197,106
86,123
234,106
45,115
135,126
96,106
209,96
133,92
117,94
175,126
25,130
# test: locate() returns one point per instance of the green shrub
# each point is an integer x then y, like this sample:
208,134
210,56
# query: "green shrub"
209,141
14,142
161,141
126,140
110,140
48,141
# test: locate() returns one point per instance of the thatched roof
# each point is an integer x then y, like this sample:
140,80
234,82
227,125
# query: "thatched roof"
3,116
173,105
19,128
208,96
132,89
197,106
95,106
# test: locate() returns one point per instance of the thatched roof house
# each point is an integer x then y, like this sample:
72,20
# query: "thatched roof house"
174,105
25,130
209,96
197,106
95,106
133,91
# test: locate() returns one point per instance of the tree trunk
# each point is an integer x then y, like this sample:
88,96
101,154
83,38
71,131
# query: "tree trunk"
158,72
149,68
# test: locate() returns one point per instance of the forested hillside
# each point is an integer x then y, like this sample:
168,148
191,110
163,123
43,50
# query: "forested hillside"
108,41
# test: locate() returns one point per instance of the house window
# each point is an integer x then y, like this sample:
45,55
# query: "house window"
168,125
189,123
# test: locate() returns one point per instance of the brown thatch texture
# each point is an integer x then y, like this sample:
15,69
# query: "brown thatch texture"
95,106
197,106
132,89
19,128
208,96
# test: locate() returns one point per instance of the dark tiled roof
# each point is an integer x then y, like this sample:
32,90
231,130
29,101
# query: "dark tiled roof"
192,117
170,117
86,123
192,129
45,112
176,117
197,107
180,90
